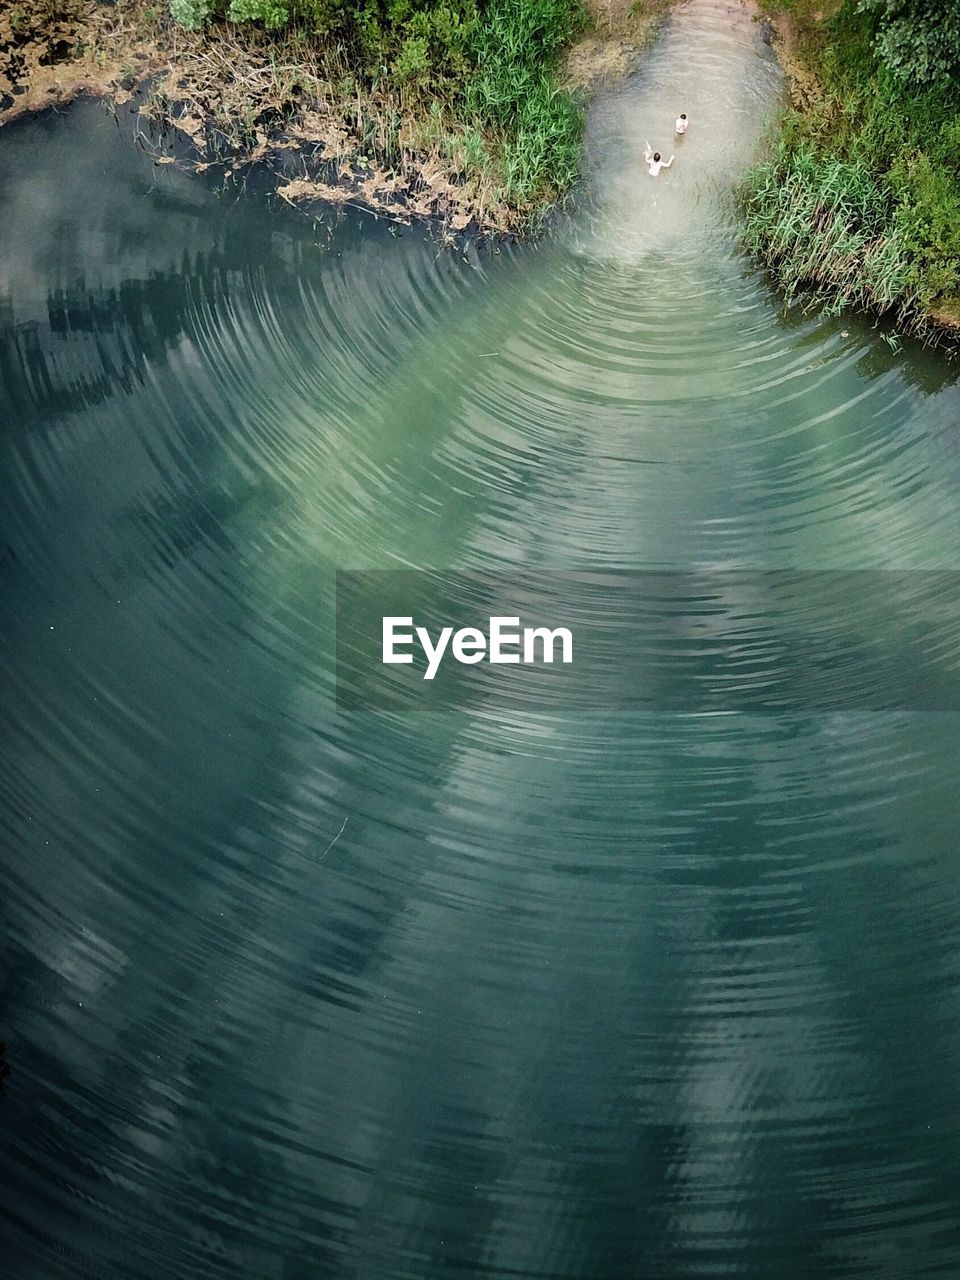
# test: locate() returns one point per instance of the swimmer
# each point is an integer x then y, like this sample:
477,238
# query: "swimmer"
654,163
682,124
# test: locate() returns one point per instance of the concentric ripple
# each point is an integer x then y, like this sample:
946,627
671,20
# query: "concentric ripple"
292,994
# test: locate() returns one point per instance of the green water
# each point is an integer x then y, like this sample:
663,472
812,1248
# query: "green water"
290,994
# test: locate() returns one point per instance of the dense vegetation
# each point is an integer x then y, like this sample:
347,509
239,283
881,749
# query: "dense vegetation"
860,200
917,39
484,70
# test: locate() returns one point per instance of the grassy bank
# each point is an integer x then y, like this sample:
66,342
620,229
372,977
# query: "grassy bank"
452,110
858,203
467,112
458,110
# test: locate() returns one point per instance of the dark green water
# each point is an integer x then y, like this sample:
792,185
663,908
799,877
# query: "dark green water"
571,995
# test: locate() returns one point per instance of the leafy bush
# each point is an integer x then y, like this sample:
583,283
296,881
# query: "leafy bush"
420,41
918,40
272,13
412,63
191,13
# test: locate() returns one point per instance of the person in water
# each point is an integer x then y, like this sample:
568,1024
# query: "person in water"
654,163
682,124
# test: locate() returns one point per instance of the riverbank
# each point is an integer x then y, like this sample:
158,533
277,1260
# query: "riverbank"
484,134
857,204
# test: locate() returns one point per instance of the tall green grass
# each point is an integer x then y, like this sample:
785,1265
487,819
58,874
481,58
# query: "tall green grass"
515,93
825,224
858,204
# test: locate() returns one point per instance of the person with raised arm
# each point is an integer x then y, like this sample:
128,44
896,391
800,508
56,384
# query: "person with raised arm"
654,162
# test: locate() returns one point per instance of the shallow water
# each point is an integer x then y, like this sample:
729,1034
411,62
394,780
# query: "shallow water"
570,996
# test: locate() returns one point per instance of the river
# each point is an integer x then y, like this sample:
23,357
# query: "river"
290,994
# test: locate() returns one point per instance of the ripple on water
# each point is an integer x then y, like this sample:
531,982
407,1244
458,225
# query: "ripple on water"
528,994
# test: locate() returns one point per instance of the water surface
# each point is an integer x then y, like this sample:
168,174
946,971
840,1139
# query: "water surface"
569,995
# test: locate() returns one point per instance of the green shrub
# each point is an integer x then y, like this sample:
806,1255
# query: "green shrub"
272,13
412,63
918,40
419,41
191,13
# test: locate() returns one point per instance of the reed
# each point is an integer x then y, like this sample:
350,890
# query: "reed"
514,97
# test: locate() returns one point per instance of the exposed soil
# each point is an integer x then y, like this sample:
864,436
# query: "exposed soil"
52,50
804,84
946,315
620,31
